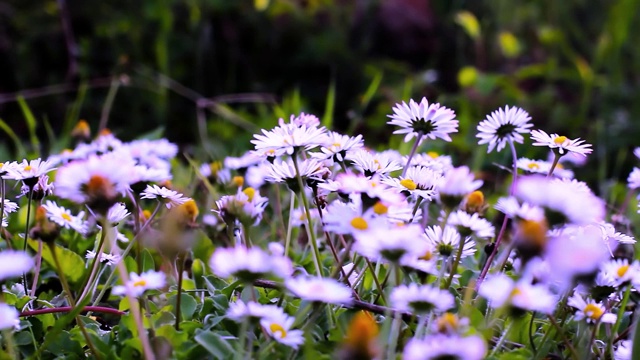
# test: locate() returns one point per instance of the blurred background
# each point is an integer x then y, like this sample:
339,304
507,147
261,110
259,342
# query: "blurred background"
207,74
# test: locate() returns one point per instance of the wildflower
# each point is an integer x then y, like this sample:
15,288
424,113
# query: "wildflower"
456,184
337,146
542,167
311,172
288,138
9,317
319,290
64,218
30,171
620,271
501,291
342,218
245,206
421,299
623,350
391,243
107,259
170,198
419,181
14,264
560,144
450,324
360,339
138,284
513,209
445,347
423,120
590,310
38,191
243,162
371,164
471,224
431,160
503,126
612,237
561,200
248,264
634,179
447,242
116,214
530,237
299,216
240,311
278,326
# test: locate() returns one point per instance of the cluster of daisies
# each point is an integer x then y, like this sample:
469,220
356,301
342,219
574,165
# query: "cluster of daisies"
329,224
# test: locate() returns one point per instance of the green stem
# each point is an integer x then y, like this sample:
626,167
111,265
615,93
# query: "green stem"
242,339
88,284
501,340
616,326
181,259
412,153
67,290
556,158
26,234
456,262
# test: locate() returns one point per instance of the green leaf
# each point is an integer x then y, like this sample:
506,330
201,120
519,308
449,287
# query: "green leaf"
31,122
215,344
147,261
16,140
72,264
327,118
188,305
635,350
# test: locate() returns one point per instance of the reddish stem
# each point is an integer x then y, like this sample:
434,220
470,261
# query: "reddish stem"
99,309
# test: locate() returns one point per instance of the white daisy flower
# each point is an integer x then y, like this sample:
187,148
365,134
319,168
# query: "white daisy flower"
561,200
171,198
561,144
501,290
248,264
144,174
138,284
299,217
256,175
311,170
503,126
28,170
246,206
441,346
431,160
107,259
359,187
10,206
144,150
9,317
337,146
426,263
64,218
421,299
429,120
542,167
117,213
243,162
287,138
8,169
419,181
620,271
308,120
612,238
41,188
634,179
14,263
450,324
590,310
456,184
446,243
471,224
279,328
319,290
341,218
240,311
391,243
215,172
370,163
513,209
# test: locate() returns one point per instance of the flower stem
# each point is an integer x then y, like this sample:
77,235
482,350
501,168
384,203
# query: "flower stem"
26,233
412,153
88,284
180,265
616,326
501,340
36,273
456,261
287,242
556,159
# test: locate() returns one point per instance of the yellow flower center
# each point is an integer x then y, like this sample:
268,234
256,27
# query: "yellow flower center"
593,311
215,167
336,145
433,154
140,283
533,166
189,210
447,322
515,292
427,256
622,270
66,216
238,181
409,184
475,199
28,168
276,329
359,223
380,208
533,232
362,333
375,161
250,192
560,140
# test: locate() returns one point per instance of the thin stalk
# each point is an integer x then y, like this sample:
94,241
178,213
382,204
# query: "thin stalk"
240,348
26,234
36,273
88,284
415,209
456,262
377,281
310,232
287,242
574,353
616,326
180,265
2,192
556,158
531,342
501,340
412,153
67,290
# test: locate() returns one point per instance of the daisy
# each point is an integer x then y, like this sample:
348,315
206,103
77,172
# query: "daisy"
248,264
503,126
431,160
170,198
590,310
9,317
471,224
337,146
311,172
8,169
9,206
423,120
38,191
64,218
501,291
299,216
561,201
370,163
634,179
288,138
456,184
240,311
317,289
138,284
421,299
612,238
243,162
513,209
542,167
442,346
279,328
307,120
620,271
13,264
623,351
30,170
447,242
215,172
419,181
107,259
561,144
391,243
450,324
245,206
425,263
342,218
